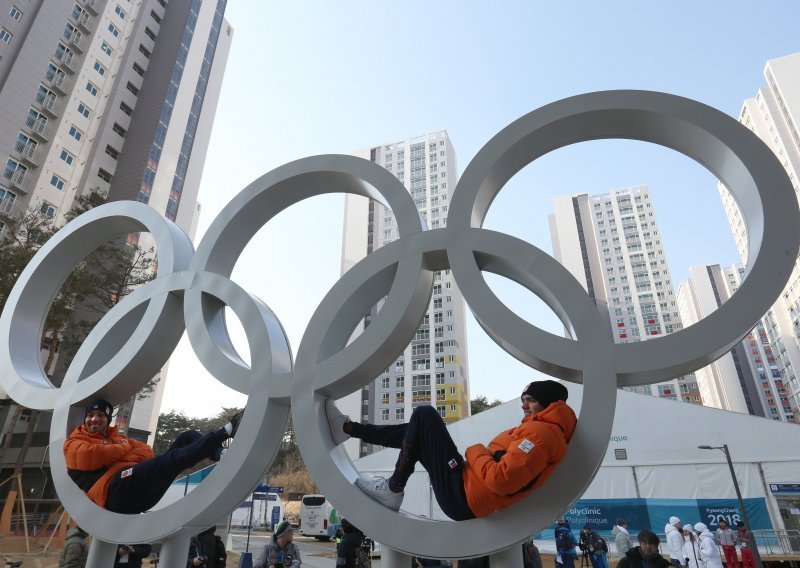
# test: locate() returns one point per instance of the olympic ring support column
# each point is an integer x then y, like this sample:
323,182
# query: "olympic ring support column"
138,334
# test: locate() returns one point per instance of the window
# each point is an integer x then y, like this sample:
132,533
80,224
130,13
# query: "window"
99,68
111,151
132,88
75,133
47,209
15,13
57,182
67,157
442,411
138,68
6,35
384,414
91,88
144,51
104,175
400,413
149,33
125,108
452,408
155,16
119,12
119,130
113,29
84,110
106,48
385,383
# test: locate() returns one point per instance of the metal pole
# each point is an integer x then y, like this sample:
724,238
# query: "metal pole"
250,523
747,526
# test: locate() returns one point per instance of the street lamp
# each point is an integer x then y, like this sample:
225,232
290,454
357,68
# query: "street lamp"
747,526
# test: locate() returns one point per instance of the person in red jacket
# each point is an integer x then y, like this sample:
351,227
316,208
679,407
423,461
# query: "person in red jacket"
486,478
122,474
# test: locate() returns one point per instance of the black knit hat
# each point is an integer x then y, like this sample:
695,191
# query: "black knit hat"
102,405
546,392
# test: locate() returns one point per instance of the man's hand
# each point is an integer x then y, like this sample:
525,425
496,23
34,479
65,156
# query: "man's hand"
199,561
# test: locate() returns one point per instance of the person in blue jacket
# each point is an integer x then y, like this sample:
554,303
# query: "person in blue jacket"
565,543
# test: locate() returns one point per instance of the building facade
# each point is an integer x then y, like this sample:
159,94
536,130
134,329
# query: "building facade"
774,116
114,96
433,369
746,379
611,244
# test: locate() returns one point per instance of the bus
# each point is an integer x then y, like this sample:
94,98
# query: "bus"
318,518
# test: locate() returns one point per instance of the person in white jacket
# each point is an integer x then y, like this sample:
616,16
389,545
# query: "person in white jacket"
691,548
675,541
709,551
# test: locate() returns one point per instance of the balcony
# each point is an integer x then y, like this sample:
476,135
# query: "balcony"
92,6
29,152
10,208
75,38
67,60
57,80
82,19
48,102
19,179
39,128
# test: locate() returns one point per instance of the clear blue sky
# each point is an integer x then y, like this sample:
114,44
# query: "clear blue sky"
306,78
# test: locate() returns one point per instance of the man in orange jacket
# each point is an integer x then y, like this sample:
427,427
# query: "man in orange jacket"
487,478
122,474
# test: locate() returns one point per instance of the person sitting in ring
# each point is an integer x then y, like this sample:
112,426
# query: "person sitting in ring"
487,478
122,474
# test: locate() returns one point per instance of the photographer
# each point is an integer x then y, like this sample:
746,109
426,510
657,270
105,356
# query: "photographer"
281,552
593,547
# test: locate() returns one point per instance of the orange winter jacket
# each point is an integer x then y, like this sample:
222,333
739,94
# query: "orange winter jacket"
89,455
530,453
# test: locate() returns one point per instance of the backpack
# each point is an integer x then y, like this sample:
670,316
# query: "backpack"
564,540
220,555
363,558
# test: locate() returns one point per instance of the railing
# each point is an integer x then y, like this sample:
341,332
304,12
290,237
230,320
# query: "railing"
74,37
28,151
10,208
19,178
48,101
38,126
67,59
91,5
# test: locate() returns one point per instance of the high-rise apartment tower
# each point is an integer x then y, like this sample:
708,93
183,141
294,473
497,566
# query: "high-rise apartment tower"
611,244
433,369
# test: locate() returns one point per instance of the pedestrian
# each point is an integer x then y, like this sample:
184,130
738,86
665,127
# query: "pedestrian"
281,552
75,549
674,541
595,546
646,554
726,538
122,474
565,544
691,548
202,549
746,543
487,478
709,552
131,555
349,546
622,538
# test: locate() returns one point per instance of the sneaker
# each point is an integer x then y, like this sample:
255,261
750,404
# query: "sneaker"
378,488
234,422
336,422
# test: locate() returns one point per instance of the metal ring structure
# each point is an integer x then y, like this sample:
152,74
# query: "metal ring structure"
137,336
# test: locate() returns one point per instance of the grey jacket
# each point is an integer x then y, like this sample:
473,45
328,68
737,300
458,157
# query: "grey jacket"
273,554
622,540
75,550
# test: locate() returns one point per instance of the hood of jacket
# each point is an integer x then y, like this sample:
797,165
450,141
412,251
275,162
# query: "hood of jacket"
558,414
615,531
75,532
669,529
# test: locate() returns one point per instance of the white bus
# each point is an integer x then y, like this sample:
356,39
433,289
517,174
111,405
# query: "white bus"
318,518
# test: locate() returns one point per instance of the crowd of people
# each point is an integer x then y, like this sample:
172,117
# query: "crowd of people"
687,546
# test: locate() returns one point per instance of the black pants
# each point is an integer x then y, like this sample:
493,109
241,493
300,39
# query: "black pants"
138,488
424,439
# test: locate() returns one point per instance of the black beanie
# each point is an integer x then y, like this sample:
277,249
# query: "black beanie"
546,392
102,405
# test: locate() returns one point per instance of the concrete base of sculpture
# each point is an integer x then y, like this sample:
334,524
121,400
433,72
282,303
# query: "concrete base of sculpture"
192,289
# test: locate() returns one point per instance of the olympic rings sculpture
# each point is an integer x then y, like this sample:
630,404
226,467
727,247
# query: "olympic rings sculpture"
133,341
